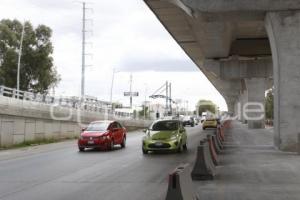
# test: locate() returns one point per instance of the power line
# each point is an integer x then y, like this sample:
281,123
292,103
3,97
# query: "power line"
158,91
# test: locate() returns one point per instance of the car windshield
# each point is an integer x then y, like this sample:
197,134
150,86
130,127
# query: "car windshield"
165,126
99,126
211,120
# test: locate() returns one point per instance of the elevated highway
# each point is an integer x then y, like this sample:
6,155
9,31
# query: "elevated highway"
243,48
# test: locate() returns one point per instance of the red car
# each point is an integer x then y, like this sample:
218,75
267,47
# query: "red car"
102,135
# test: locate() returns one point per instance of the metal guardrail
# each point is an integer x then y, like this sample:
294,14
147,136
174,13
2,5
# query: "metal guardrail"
88,103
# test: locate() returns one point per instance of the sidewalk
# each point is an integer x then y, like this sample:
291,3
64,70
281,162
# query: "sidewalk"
251,168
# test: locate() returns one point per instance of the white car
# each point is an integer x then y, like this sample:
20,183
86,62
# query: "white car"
203,118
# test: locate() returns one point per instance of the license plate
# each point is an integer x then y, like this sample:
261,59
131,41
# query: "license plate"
159,144
90,142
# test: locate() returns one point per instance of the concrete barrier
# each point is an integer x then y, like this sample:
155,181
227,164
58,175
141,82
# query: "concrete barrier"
25,121
212,150
203,168
219,141
180,186
226,124
216,145
221,133
207,155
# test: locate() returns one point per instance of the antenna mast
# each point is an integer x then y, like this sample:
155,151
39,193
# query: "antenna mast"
83,53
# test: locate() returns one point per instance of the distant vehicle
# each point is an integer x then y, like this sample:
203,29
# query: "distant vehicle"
196,120
188,120
165,135
168,117
203,117
102,135
210,123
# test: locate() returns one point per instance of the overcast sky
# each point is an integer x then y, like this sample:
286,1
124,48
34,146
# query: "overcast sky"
126,36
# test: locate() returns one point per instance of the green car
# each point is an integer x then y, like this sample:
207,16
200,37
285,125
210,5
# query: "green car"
165,135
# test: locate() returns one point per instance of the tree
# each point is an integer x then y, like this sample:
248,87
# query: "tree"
269,105
206,105
37,72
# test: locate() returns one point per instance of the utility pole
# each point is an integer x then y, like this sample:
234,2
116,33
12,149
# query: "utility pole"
130,90
145,101
167,96
83,51
170,97
19,60
187,107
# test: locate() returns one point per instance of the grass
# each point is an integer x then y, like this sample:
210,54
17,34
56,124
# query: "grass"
37,142
48,141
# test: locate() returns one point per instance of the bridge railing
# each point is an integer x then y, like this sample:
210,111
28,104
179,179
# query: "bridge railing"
88,103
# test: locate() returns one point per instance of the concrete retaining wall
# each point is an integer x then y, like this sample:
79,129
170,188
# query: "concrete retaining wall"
27,121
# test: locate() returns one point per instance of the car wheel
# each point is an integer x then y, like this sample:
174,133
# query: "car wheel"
144,151
111,145
123,144
185,146
180,148
192,125
81,149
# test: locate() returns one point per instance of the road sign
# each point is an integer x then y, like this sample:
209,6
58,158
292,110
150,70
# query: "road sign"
134,94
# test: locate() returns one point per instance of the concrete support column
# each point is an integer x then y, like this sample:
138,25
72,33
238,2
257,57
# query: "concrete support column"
230,101
243,101
230,108
236,108
283,28
256,102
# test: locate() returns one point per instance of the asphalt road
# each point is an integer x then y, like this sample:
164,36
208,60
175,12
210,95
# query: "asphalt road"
59,171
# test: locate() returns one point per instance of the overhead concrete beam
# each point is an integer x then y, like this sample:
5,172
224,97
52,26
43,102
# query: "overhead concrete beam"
211,35
214,35
229,16
232,69
252,47
245,5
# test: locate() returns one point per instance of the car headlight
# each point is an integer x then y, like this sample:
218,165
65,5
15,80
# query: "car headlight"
105,137
173,137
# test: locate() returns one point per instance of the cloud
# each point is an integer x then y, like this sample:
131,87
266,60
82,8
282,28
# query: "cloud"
160,64
126,36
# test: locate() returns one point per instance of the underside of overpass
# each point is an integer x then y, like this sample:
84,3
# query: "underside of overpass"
243,48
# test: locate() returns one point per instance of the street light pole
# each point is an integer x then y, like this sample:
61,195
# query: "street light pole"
83,51
145,102
170,98
111,87
187,106
167,96
131,91
19,60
